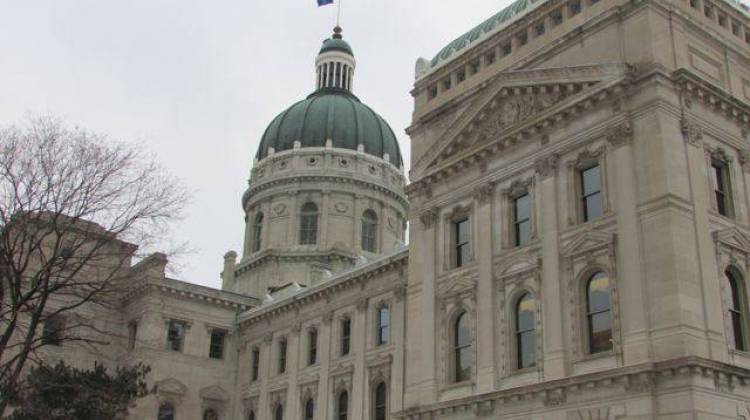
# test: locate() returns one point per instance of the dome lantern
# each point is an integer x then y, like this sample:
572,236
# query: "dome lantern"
335,63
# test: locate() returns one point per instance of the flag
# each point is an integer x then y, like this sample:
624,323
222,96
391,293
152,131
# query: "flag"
324,2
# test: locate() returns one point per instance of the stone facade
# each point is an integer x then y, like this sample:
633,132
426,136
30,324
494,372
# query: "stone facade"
648,98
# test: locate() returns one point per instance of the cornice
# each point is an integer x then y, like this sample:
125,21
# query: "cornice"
395,261
255,189
292,256
633,379
146,288
697,88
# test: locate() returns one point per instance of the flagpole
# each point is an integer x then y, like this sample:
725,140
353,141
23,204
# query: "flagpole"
338,13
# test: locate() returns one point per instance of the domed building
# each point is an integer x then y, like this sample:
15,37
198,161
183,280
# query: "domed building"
326,190
579,237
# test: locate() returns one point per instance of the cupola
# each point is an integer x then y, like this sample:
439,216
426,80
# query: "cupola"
335,63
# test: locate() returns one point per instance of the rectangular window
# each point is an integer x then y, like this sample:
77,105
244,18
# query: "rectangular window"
721,187
282,356
256,364
346,336
539,29
216,348
507,48
522,220
574,7
432,92
175,335
132,335
313,342
460,76
384,325
53,331
591,189
489,58
474,66
462,234
556,18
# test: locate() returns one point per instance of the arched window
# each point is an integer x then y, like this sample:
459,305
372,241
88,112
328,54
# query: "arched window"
310,409
734,290
525,332
381,401
342,411
257,232
384,325
166,411
251,416
279,413
462,348
369,231
210,414
308,228
599,313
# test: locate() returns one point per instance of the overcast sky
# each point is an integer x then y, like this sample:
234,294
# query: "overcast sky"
199,81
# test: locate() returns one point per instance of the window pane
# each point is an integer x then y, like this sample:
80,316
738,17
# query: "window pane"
523,208
598,293
526,313
463,364
523,233
462,231
463,334
527,349
601,332
216,349
591,180
593,205
463,256
166,412
309,410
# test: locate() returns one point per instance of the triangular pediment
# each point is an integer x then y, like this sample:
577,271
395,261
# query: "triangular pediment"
214,393
171,386
588,241
513,101
733,238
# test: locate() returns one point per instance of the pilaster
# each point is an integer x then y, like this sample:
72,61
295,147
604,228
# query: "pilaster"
486,365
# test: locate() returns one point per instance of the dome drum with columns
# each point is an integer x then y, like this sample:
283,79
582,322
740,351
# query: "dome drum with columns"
326,191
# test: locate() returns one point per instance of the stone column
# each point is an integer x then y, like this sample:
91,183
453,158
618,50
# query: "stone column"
325,340
709,269
359,379
422,346
357,222
485,366
398,334
265,372
293,218
551,296
635,346
294,344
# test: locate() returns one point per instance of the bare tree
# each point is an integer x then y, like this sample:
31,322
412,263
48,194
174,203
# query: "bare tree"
72,206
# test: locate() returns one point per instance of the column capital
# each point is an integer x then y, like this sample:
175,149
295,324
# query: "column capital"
483,193
547,166
428,217
620,134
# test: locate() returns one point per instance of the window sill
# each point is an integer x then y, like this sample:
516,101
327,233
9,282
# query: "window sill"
459,385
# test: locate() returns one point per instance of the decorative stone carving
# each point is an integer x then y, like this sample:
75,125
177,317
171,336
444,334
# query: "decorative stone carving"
514,110
587,157
341,207
620,134
280,209
328,317
555,397
518,187
399,292
362,304
483,193
547,166
744,157
692,133
428,218
268,339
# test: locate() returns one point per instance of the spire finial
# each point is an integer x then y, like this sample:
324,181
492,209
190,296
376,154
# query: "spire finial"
337,32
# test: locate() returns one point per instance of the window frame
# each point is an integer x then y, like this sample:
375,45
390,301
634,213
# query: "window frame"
255,364
309,404
517,222
282,356
132,334
369,231
181,342
459,375
166,405
382,330
312,346
53,331
376,405
458,245
345,336
589,314
258,221
518,334
720,172
309,223
736,311
222,344
584,196
585,160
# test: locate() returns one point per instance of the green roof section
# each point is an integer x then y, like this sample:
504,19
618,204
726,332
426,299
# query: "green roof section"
334,44
502,19
334,114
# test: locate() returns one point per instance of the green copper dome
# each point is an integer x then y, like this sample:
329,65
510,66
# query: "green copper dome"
334,114
335,44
